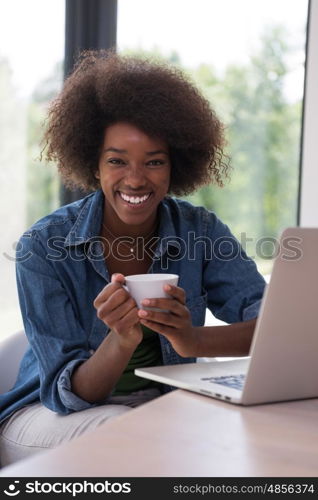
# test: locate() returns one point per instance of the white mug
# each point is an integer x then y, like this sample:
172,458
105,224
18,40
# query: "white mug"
149,286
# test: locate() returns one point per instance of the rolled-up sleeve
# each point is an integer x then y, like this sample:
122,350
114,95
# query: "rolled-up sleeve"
68,398
51,323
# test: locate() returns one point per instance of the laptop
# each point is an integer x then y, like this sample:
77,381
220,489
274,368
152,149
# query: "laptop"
283,360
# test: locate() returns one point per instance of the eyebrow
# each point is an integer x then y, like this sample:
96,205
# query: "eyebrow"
149,153
115,150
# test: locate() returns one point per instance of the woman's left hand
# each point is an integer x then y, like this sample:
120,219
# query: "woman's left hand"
174,322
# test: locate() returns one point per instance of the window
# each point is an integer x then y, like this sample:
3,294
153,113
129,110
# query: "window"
31,59
248,59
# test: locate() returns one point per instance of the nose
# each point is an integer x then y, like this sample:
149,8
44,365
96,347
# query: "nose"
136,176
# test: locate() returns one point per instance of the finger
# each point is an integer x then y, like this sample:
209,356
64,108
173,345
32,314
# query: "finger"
171,305
158,327
106,292
124,310
176,292
118,297
118,278
127,321
160,317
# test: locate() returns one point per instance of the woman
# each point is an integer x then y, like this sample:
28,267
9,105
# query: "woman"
133,132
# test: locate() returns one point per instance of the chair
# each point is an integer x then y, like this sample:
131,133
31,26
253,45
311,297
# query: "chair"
12,349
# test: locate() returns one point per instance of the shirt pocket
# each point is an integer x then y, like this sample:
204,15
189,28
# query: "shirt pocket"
197,307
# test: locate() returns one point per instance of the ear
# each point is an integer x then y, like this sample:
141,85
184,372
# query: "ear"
97,176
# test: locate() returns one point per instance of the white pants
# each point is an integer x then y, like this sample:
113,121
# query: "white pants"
35,427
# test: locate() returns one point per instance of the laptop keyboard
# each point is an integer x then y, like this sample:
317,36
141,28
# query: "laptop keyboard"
233,381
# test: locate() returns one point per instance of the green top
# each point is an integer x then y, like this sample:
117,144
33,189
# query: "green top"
148,353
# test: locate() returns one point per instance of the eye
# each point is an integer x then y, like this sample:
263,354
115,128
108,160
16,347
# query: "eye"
115,161
155,163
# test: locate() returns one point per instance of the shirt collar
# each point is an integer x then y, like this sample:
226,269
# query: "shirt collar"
89,220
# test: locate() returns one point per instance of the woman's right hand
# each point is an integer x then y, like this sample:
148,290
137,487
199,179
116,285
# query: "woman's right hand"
118,310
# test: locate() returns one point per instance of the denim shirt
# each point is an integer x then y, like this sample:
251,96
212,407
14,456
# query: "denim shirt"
61,268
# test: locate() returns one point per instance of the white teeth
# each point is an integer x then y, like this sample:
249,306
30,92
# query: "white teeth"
134,199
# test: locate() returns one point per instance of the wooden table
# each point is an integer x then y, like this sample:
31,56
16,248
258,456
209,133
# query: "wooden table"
185,434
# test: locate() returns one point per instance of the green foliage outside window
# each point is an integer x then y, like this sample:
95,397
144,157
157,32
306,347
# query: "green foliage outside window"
263,142
42,180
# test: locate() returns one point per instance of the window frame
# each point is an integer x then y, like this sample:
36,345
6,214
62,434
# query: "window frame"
308,200
88,25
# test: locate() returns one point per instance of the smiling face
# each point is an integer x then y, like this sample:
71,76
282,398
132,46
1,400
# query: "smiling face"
134,173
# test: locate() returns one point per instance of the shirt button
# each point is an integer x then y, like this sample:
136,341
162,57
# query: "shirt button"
91,351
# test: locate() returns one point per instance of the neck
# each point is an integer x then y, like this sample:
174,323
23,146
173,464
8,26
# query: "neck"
118,228
123,230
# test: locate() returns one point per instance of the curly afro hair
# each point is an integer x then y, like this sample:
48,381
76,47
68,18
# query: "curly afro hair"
157,98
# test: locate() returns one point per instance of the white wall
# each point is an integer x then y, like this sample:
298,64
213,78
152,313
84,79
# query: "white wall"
309,177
